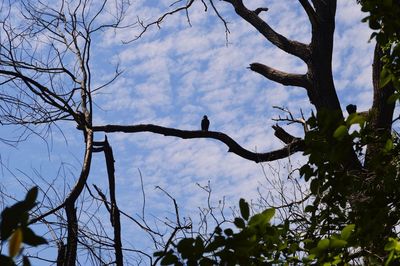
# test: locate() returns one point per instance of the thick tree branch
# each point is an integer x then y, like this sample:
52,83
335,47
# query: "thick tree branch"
281,134
295,48
295,146
114,213
284,78
312,15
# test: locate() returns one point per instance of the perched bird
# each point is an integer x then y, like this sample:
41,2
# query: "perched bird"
205,123
351,108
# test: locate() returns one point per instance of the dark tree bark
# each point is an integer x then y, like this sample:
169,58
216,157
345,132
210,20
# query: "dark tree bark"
381,112
114,211
322,93
293,144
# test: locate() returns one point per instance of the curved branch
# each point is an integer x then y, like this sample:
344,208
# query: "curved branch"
312,15
295,146
284,78
295,48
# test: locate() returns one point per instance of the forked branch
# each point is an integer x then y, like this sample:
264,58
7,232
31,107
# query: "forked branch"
295,48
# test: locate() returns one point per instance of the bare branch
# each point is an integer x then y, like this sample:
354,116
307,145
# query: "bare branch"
281,134
295,48
284,78
161,19
260,9
312,16
295,146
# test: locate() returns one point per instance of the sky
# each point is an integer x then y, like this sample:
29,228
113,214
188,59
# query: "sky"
172,76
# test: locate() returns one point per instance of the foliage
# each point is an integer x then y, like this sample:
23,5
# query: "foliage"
254,240
14,228
384,18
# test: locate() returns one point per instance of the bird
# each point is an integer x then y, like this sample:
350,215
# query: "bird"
351,108
205,123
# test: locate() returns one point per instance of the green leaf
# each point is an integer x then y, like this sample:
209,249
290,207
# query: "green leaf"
244,209
323,244
355,119
391,244
268,214
340,132
337,243
262,219
385,77
388,145
239,222
346,232
389,258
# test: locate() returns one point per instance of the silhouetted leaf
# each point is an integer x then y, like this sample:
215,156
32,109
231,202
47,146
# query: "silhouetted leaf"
244,209
30,238
30,199
169,259
239,222
228,232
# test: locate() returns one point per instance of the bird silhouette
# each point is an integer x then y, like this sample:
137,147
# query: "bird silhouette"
205,123
351,108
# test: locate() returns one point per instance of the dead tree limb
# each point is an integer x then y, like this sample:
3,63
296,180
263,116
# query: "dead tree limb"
294,146
113,209
295,48
284,78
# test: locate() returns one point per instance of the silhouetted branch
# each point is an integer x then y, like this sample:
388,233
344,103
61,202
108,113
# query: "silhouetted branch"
114,213
260,9
184,8
295,48
293,147
284,78
312,16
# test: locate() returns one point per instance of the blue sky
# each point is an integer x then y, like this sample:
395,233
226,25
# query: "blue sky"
172,77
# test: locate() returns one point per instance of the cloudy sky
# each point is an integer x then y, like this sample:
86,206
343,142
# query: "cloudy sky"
174,75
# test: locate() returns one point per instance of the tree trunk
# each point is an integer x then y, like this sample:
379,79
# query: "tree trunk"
322,92
381,113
